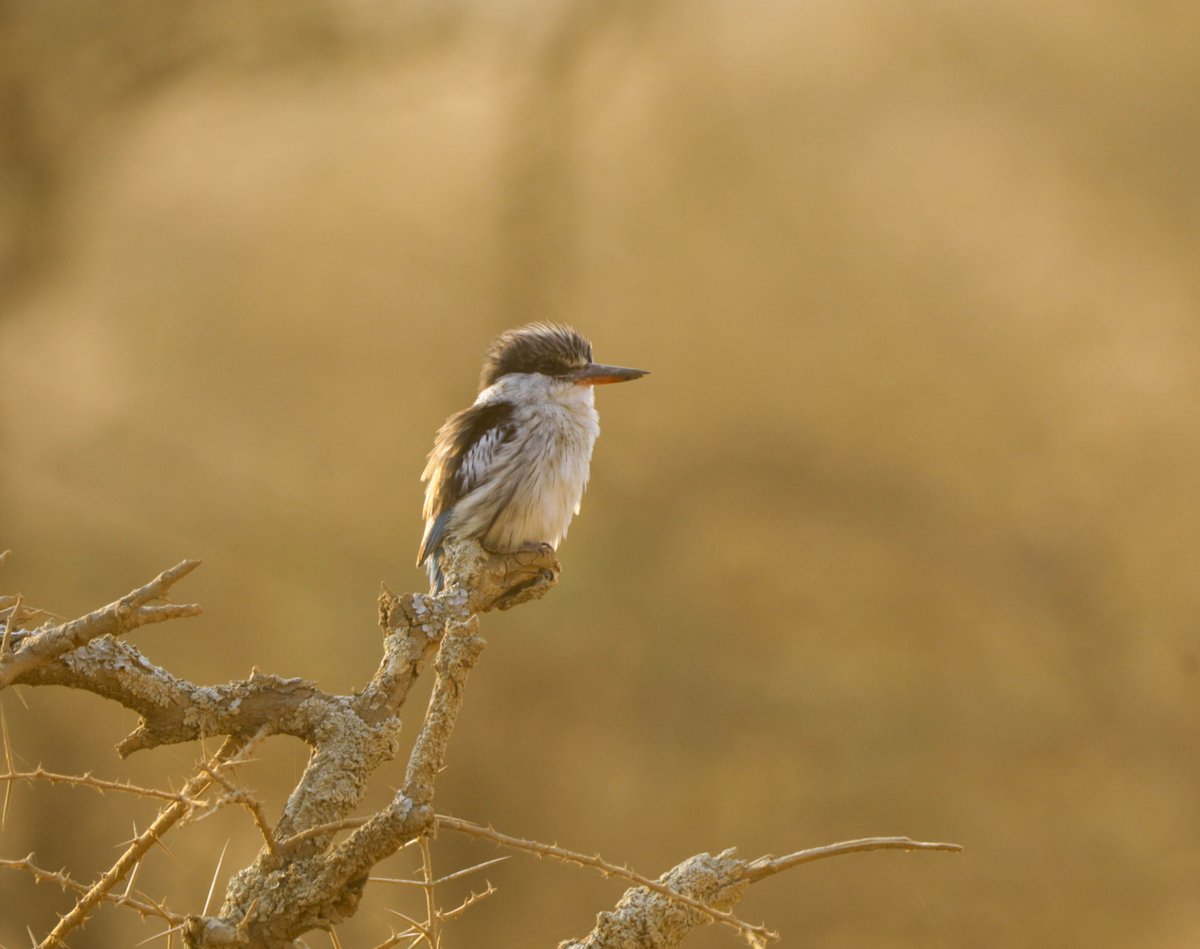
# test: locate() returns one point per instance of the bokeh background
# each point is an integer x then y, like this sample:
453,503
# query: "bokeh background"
899,537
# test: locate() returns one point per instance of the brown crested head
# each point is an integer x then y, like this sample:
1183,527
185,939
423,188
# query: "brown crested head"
549,348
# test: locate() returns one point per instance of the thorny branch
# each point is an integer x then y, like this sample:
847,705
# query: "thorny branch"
311,881
88,780
753,934
696,892
229,752
144,907
129,612
648,916
304,877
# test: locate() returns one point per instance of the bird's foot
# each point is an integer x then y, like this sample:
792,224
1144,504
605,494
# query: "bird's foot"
530,552
500,581
526,574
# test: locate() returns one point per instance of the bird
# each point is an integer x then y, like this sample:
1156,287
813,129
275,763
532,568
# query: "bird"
509,471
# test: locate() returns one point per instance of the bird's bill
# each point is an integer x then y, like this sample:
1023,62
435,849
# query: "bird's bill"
598,375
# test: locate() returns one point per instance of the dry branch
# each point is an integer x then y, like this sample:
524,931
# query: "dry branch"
768,865
304,877
44,645
646,916
311,882
167,817
301,879
708,910
143,907
88,780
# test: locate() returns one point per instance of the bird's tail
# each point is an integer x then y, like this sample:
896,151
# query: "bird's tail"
430,553
433,566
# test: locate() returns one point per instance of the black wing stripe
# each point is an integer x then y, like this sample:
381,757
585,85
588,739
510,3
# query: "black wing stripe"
477,460
462,456
478,433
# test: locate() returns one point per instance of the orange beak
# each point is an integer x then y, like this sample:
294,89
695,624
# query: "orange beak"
595,374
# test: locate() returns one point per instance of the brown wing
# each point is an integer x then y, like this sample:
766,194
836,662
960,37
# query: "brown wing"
463,453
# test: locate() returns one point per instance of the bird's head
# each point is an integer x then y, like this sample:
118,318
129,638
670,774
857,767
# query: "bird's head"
550,350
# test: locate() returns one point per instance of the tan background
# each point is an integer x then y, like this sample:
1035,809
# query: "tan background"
899,537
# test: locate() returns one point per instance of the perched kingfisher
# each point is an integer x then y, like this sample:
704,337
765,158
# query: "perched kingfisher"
510,470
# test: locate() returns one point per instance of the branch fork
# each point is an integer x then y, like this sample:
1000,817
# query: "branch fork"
304,877
301,879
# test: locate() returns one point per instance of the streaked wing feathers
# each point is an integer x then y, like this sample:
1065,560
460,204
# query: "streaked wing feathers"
464,452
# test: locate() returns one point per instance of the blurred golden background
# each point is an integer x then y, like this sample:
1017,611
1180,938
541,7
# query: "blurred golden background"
899,538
